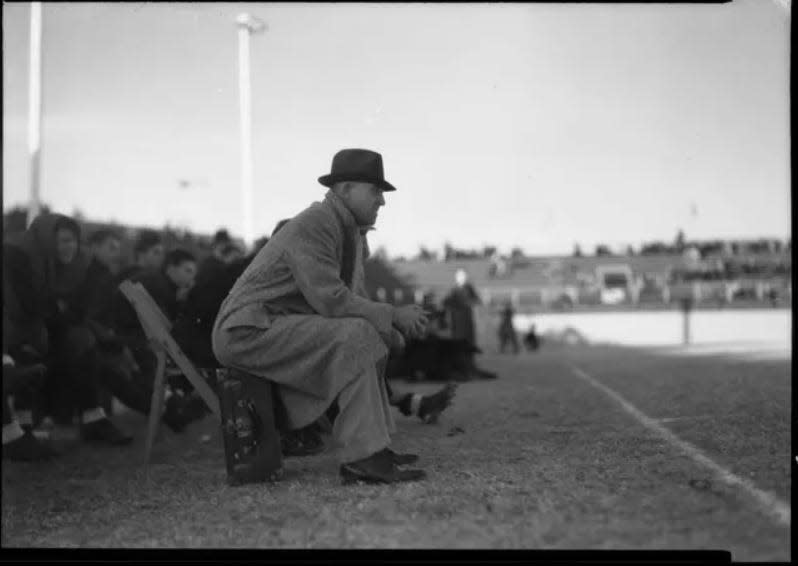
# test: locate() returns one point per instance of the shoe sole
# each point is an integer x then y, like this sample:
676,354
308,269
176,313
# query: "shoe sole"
349,478
303,454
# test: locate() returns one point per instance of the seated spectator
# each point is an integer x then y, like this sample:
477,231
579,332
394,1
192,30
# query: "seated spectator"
194,324
531,339
96,298
44,269
215,277
148,254
168,287
294,318
118,366
100,283
222,251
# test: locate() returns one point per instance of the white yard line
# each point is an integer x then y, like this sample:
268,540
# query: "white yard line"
768,502
685,418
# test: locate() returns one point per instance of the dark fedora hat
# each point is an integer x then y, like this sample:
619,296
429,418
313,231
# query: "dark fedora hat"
357,165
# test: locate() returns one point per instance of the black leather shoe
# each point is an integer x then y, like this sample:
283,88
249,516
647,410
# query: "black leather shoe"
401,459
377,469
311,437
28,448
174,416
195,407
298,443
104,431
433,405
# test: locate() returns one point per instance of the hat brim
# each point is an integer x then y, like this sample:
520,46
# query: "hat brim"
330,180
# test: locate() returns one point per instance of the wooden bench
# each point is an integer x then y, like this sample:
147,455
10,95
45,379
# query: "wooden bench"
157,328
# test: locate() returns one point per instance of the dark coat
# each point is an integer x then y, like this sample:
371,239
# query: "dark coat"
129,272
459,304
193,328
97,293
433,358
208,269
161,289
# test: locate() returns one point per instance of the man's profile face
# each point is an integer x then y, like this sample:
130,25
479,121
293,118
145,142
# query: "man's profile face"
364,201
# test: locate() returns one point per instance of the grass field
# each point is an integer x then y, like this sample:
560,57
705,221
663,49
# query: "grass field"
565,451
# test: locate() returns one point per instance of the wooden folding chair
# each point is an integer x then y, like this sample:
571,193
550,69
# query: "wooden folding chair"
157,329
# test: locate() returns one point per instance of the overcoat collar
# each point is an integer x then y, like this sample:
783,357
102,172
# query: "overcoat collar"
341,210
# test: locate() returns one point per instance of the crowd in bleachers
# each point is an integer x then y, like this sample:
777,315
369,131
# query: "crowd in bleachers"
72,341
735,269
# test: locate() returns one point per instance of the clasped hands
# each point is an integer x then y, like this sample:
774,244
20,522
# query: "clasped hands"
410,320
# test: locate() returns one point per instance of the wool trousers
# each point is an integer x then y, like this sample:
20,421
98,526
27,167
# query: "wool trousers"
317,362
364,422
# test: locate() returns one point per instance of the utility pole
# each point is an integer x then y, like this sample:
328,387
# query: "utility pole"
247,25
35,110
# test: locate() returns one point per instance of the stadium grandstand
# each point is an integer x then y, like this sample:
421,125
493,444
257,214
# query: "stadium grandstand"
738,274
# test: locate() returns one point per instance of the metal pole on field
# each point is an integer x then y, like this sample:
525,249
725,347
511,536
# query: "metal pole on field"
35,109
687,306
247,25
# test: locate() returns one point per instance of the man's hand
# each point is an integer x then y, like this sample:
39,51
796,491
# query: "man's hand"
410,320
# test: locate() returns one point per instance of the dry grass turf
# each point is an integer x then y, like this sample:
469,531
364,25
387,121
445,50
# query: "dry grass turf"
536,459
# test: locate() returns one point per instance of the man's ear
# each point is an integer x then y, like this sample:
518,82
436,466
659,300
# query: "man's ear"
345,188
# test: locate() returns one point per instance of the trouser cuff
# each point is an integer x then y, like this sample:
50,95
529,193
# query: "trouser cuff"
359,450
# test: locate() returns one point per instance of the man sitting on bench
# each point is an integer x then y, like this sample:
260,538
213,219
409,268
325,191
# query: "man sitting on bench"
293,318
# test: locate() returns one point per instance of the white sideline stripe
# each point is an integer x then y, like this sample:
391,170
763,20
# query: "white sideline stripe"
770,503
685,418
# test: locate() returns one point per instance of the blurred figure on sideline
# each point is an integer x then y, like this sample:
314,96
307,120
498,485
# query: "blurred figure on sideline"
507,333
532,340
459,305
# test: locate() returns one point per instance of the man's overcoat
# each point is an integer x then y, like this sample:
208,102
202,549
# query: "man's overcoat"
293,317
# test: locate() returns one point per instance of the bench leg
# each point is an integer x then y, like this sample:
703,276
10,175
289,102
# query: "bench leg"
156,404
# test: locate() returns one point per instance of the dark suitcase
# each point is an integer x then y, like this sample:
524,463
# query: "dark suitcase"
249,429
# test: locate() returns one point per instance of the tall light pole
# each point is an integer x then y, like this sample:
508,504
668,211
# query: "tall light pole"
35,109
247,25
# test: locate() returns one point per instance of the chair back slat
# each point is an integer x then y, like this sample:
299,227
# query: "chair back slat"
157,328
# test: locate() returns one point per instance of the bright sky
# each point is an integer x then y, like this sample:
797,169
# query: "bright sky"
538,125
